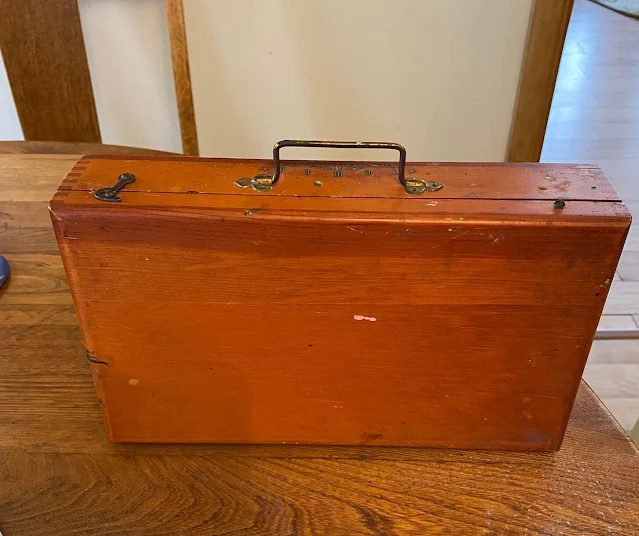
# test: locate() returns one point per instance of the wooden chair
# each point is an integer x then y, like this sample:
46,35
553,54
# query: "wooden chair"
45,59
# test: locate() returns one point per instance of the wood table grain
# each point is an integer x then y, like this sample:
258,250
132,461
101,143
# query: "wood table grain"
60,476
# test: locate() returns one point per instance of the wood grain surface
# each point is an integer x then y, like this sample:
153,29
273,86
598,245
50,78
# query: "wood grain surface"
58,147
545,42
44,55
61,476
301,179
182,76
323,318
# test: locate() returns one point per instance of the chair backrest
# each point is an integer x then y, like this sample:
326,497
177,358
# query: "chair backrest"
46,62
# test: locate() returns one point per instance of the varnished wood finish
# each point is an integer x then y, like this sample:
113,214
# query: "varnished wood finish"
182,76
346,313
56,147
61,476
461,181
548,25
44,55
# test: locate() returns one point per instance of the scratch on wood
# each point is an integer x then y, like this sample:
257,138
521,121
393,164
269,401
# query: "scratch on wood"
451,239
414,254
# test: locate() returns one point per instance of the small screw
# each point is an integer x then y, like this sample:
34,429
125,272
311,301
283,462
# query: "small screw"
559,204
318,184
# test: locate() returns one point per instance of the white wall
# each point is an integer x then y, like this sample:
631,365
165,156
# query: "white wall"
438,76
129,58
9,124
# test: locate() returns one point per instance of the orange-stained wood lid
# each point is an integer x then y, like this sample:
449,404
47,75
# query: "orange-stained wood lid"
184,175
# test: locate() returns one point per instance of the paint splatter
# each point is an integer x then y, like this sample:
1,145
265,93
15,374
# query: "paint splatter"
362,317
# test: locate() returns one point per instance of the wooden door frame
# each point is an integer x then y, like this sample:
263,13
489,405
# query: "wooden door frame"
542,54
182,77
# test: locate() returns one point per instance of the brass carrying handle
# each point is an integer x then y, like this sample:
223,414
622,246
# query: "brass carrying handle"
412,185
339,145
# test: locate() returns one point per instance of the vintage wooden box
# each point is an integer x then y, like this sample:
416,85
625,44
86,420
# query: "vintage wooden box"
332,304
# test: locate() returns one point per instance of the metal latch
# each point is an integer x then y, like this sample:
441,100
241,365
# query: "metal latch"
110,194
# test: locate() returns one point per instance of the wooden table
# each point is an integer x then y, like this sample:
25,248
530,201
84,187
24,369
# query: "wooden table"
60,476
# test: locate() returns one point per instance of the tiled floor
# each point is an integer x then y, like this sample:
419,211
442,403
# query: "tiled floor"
595,119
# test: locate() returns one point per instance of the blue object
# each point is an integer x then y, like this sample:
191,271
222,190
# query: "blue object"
4,271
